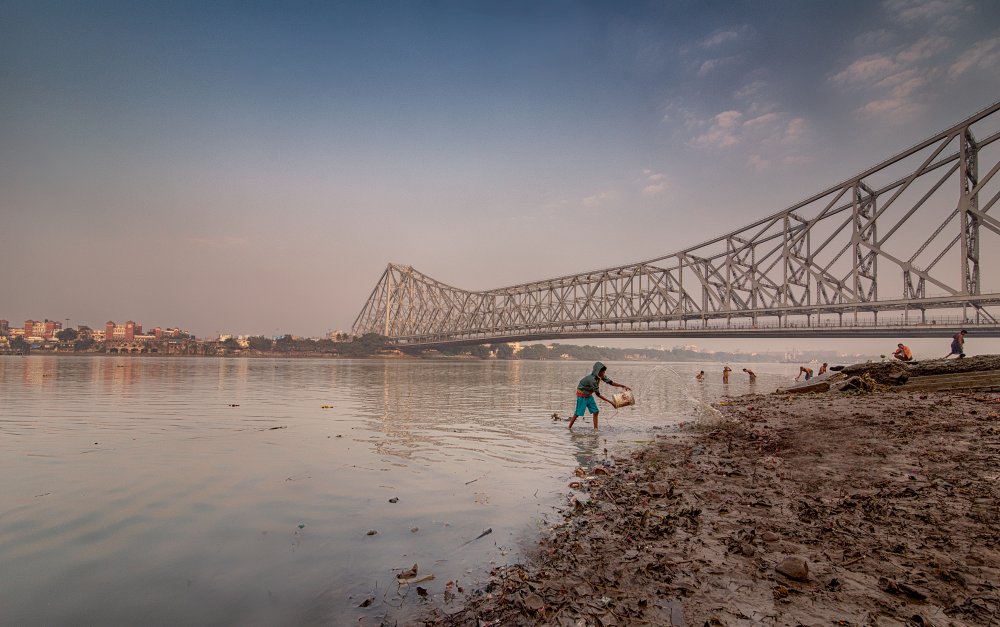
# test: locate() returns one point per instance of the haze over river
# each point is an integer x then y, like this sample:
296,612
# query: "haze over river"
200,491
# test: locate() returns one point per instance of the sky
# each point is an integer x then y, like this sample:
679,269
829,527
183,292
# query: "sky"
251,167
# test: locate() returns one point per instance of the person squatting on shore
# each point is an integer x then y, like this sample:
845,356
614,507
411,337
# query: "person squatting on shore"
805,371
822,368
903,352
700,376
957,345
589,387
753,375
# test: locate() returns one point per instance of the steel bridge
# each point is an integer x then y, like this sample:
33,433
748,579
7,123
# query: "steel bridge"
906,248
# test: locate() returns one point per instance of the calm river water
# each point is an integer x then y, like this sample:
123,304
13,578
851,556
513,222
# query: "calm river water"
197,491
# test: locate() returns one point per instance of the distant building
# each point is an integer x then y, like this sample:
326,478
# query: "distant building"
172,332
45,329
121,332
4,328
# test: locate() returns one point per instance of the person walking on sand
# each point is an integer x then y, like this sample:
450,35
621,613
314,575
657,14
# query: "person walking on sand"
753,375
805,371
903,352
725,374
700,376
588,388
822,369
957,345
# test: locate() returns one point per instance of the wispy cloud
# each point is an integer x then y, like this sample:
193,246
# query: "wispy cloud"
762,121
725,36
599,199
894,80
795,131
723,131
752,90
899,108
655,183
983,55
867,69
924,48
709,66
943,14
769,134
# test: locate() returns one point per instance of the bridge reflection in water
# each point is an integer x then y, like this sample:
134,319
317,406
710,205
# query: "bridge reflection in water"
906,248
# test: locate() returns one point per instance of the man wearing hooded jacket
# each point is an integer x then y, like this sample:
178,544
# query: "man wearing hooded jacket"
589,387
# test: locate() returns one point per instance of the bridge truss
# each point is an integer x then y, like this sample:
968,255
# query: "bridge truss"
905,248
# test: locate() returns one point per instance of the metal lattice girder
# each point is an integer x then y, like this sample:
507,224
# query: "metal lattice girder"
902,235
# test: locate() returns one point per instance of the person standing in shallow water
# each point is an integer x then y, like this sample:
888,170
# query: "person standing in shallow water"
957,345
752,374
805,371
589,387
725,374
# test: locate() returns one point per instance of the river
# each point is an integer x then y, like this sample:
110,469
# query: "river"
200,491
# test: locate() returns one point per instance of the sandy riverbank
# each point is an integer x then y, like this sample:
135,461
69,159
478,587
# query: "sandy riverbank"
849,509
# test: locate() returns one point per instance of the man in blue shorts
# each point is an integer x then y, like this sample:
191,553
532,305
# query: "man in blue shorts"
587,389
957,345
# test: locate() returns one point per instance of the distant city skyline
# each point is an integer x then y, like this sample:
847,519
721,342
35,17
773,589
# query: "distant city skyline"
251,169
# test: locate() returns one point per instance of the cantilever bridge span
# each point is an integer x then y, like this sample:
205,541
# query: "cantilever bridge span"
906,248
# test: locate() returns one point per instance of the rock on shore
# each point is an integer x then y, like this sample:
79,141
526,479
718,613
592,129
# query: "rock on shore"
877,509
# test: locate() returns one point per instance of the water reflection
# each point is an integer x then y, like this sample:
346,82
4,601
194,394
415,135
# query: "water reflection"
587,444
213,491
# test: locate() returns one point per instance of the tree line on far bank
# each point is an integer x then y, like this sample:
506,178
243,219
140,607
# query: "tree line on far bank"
372,344
366,345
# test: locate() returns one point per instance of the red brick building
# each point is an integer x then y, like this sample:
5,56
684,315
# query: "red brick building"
45,329
121,332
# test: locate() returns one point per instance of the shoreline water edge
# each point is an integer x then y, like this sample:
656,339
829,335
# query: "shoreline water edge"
873,505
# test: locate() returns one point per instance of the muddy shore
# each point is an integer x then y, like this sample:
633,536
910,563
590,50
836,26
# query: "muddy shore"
839,508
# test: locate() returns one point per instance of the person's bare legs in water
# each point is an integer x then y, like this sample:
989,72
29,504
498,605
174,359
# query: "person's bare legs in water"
573,419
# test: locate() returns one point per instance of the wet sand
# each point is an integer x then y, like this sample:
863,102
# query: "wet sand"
850,509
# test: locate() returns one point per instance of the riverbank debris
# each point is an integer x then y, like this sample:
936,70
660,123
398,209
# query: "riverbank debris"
408,573
409,581
482,535
875,508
